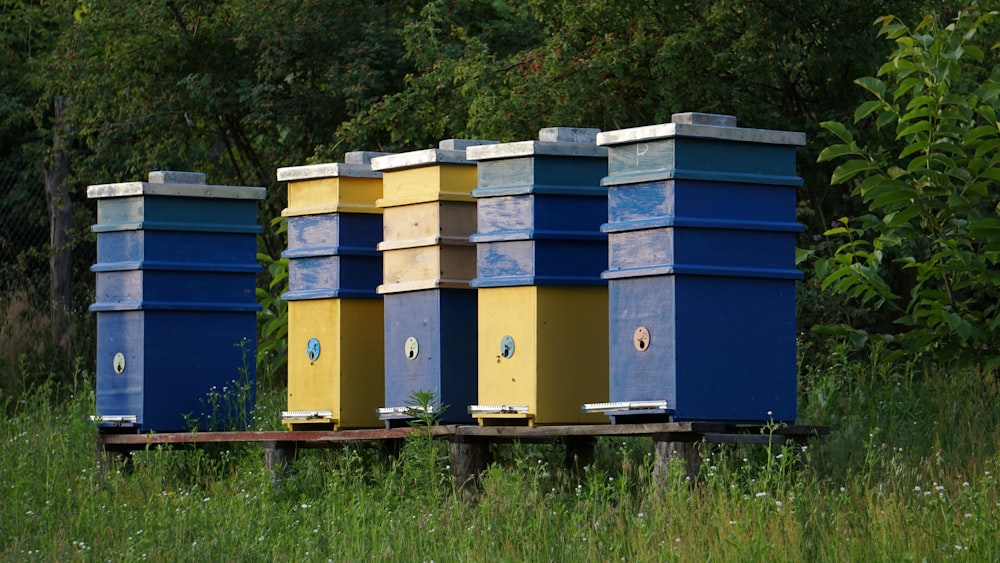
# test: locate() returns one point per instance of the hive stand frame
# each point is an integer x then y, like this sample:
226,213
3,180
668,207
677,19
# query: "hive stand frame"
470,445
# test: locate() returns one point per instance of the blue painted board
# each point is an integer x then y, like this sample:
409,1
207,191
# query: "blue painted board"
540,262
751,253
169,289
710,159
176,367
334,234
537,216
686,200
322,277
183,250
548,174
719,348
174,213
444,325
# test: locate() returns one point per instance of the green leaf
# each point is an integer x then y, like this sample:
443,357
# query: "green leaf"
836,151
918,127
850,169
838,130
867,108
873,85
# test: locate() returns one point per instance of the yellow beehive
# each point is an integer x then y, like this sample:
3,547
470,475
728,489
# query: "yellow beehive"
335,316
543,353
335,363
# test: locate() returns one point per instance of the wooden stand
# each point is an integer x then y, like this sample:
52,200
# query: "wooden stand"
470,445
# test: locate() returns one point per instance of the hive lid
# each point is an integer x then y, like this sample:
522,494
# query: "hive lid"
174,183
552,141
357,164
703,125
449,151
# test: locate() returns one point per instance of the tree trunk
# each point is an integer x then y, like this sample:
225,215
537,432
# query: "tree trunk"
60,209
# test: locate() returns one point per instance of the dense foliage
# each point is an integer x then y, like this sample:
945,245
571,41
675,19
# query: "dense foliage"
237,88
925,255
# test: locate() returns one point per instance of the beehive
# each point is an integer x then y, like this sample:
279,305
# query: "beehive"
175,303
335,353
430,310
543,319
702,271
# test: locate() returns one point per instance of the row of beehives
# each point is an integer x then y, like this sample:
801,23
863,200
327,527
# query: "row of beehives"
644,273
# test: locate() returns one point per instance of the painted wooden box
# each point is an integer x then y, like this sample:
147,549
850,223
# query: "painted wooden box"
426,245
430,311
335,363
430,345
542,354
175,303
335,316
702,271
542,303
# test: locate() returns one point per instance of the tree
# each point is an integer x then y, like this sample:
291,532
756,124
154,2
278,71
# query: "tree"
926,252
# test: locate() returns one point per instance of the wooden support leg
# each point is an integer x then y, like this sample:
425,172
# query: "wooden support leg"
468,457
667,447
278,456
580,452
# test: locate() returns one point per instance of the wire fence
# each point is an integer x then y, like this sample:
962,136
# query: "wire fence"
25,305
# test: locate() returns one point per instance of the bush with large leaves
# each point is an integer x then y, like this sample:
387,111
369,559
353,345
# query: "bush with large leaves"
925,255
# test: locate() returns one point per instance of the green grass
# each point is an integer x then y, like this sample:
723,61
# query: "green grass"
909,472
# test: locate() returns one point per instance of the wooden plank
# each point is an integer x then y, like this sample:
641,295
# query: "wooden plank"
661,431
304,437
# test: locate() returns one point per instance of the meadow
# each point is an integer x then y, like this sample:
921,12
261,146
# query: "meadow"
909,472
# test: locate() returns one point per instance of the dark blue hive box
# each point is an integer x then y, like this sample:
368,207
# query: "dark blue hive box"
540,207
701,271
333,255
175,303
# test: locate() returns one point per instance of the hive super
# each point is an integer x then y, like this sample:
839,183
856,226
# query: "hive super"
644,274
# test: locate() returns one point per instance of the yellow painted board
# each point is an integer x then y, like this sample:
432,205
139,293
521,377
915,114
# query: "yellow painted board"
428,183
573,333
348,376
508,311
425,263
427,223
560,358
330,195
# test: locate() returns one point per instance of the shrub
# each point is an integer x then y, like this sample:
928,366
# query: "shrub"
926,252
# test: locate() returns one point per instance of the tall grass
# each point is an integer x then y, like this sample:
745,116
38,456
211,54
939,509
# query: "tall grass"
909,472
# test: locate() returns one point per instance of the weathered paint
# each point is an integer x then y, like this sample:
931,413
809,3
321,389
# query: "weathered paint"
175,301
443,322
333,195
423,224
439,182
718,348
701,224
333,255
175,361
438,265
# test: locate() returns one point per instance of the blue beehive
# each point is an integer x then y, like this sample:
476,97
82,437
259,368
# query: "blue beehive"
430,310
175,302
701,225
